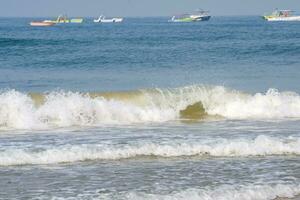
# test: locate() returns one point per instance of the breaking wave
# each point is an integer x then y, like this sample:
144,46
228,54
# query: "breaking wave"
62,109
260,146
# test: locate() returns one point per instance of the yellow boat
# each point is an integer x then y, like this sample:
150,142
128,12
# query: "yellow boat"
77,20
63,19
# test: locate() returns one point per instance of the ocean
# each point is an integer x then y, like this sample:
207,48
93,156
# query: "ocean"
148,109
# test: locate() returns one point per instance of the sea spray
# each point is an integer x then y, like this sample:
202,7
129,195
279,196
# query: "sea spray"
64,109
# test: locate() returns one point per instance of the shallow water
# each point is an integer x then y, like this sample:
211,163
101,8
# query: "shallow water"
150,110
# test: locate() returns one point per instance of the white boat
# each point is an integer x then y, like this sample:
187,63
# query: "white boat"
102,19
282,15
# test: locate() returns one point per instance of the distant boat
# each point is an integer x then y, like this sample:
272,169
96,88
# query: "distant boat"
41,24
282,15
63,19
199,15
77,20
102,19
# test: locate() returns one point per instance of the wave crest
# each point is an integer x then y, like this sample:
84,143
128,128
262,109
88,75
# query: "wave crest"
260,146
61,109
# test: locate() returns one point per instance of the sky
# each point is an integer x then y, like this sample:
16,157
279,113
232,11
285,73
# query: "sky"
93,8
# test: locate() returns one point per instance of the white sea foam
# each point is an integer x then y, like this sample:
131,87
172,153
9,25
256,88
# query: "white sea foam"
232,104
253,192
225,192
273,104
63,109
260,146
18,111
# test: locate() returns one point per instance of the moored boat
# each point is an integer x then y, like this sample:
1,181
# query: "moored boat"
35,23
64,19
77,20
282,15
199,15
103,19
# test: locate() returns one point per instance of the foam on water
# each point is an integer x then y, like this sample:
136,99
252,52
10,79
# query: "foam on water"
225,192
253,192
63,109
60,109
260,146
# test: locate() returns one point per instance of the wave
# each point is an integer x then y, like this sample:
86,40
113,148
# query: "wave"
251,192
260,146
62,109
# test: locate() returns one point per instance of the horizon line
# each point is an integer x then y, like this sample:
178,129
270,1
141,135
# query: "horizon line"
150,16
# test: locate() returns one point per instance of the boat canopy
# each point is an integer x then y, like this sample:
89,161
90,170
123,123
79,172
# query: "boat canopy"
62,18
282,13
198,12
182,16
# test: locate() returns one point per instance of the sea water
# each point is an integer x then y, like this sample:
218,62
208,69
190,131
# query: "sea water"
149,109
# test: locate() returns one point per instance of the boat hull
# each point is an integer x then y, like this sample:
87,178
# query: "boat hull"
41,24
79,20
113,20
277,19
192,19
204,18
